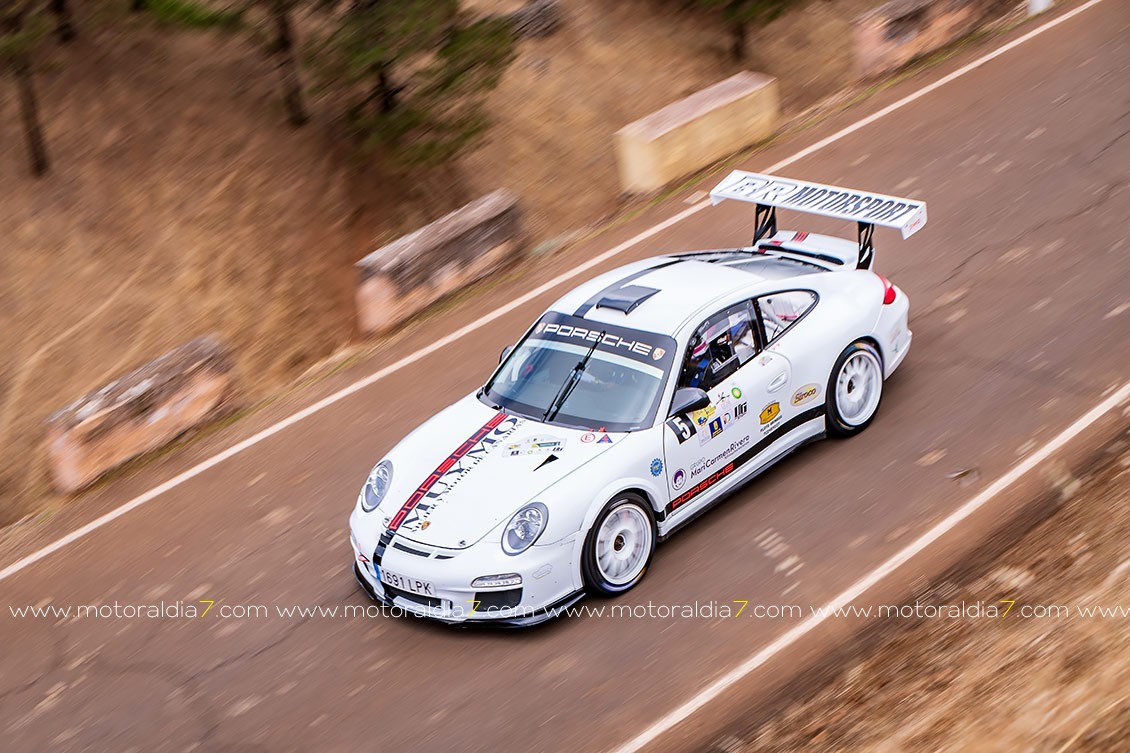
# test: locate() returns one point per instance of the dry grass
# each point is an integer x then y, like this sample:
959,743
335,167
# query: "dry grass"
1056,684
180,204
176,206
615,61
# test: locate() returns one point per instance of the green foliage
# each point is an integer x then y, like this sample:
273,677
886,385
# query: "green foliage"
412,74
760,10
748,11
194,15
740,14
22,26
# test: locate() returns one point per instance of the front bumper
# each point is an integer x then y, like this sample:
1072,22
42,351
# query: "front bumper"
548,581
536,617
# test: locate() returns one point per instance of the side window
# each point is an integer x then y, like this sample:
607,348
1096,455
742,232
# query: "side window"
719,347
780,311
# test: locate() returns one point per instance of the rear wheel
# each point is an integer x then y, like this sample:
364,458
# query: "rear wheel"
619,546
855,389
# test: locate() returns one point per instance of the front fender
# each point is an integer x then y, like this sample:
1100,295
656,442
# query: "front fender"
575,500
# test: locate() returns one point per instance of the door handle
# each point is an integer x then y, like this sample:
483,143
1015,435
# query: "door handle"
778,381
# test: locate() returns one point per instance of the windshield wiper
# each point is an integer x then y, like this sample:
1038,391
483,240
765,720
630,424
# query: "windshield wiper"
570,383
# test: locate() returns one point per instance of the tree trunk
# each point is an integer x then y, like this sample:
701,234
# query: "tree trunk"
737,40
385,91
735,14
283,46
29,110
64,21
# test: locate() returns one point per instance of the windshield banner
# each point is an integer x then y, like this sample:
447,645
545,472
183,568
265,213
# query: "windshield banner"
645,347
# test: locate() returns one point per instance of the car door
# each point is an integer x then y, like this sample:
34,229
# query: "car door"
706,451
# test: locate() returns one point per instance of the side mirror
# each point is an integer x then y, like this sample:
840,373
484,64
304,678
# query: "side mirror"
505,352
688,400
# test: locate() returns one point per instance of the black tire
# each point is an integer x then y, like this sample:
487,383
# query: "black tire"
841,423
596,581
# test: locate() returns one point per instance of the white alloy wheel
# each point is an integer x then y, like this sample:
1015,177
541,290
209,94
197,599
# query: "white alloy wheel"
619,546
623,545
855,389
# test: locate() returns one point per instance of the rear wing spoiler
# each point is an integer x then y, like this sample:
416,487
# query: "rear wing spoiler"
866,209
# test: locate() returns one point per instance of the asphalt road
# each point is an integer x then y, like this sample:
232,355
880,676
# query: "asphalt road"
1019,288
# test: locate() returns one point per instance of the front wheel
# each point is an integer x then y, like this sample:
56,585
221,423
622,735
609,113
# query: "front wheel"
854,389
619,546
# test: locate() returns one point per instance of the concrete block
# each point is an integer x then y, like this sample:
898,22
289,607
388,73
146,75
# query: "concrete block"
895,33
139,412
409,274
697,131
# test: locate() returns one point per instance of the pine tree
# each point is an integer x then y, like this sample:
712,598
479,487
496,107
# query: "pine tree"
21,29
283,49
411,74
739,14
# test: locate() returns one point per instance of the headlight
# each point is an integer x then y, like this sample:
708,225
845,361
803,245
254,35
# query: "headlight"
376,486
497,581
524,528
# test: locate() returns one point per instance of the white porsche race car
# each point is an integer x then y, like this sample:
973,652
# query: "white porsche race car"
634,403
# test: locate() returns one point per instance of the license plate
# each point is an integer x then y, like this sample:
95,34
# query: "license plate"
411,585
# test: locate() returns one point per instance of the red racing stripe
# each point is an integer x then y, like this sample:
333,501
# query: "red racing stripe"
443,468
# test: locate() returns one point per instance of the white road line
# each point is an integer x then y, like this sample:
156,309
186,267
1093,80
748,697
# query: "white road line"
361,384
861,586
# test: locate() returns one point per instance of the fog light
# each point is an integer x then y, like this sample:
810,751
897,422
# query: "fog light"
497,581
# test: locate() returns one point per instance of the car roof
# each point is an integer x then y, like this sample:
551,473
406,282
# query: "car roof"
663,293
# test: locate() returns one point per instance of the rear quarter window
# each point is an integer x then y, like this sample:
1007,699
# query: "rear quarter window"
780,311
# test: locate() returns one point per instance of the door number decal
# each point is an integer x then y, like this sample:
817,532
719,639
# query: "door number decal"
682,426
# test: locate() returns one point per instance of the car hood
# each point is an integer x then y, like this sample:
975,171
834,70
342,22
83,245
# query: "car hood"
471,467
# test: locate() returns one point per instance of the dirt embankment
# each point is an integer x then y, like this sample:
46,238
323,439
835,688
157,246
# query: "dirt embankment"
1049,672
180,203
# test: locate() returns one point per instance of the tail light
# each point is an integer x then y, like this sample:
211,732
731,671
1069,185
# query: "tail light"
889,292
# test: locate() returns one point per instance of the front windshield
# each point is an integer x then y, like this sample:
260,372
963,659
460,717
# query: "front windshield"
618,390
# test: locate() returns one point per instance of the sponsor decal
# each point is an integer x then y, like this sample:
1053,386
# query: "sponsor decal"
425,524
805,394
702,416
604,439
722,399
703,485
535,446
679,479
737,454
656,467
736,392
416,509
587,437
637,345
716,427
611,342
712,423
771,418
848,203
702,465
